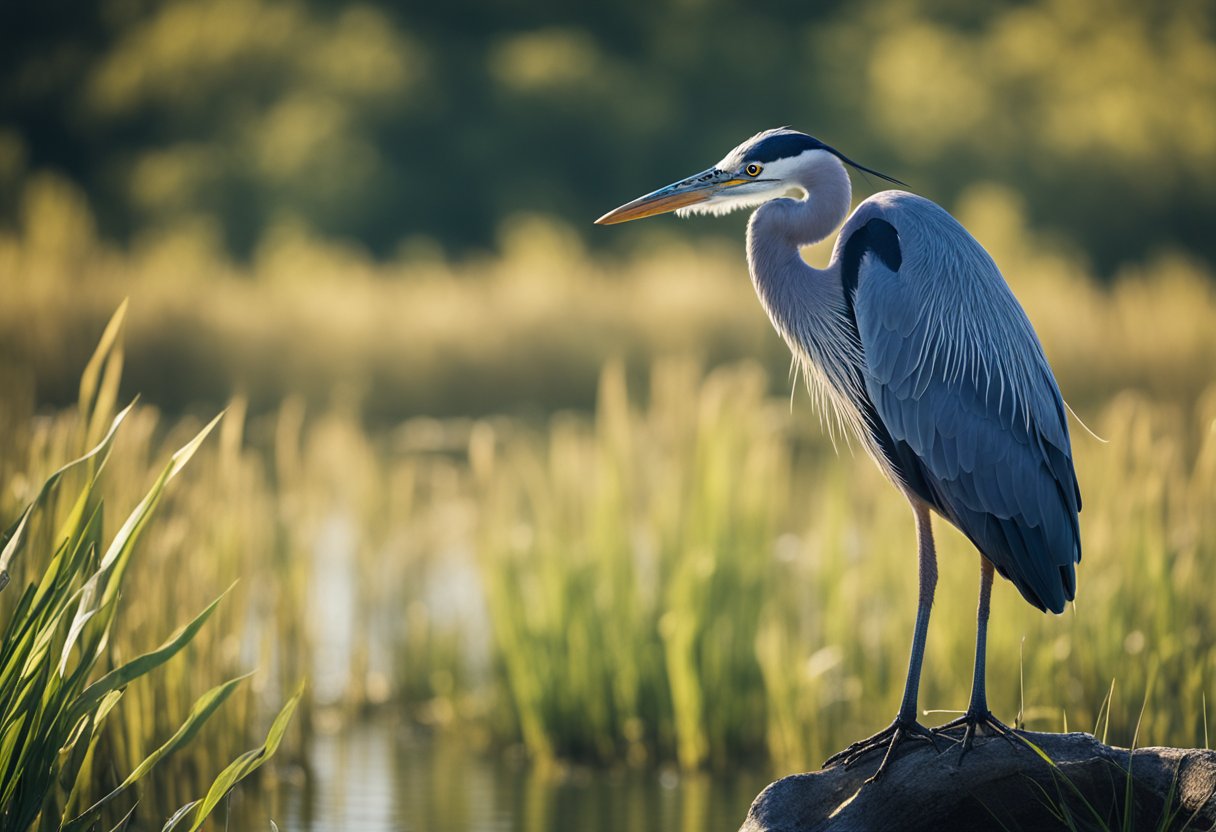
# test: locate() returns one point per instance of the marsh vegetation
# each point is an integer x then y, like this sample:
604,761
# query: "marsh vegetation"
690,572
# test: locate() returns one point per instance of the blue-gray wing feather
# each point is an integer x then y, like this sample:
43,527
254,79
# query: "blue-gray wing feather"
964,403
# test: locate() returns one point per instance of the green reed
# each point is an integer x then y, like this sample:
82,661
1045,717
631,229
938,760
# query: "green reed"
690,573
699,576
63,680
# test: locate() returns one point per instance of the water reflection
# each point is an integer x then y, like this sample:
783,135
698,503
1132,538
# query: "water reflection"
379,776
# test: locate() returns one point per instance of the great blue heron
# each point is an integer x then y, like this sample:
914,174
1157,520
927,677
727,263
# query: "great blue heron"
921,350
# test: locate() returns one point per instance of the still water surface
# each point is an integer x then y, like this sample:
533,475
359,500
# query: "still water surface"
376,777
382,776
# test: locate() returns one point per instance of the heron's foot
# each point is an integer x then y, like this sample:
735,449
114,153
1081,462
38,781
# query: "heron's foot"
889,738
972,724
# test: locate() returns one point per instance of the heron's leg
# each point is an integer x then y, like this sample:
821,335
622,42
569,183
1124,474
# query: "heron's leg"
977,714
928,584
979,681
905,724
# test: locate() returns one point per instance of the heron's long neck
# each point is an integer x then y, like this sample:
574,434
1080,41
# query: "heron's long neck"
794,294
805,304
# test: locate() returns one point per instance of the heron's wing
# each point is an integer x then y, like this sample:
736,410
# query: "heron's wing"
964,403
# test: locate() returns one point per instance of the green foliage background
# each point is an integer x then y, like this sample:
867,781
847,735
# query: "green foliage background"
409,123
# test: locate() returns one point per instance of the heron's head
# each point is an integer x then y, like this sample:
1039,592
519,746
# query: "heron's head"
769,165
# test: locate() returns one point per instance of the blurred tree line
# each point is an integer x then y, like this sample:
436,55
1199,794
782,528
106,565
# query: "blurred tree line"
400,123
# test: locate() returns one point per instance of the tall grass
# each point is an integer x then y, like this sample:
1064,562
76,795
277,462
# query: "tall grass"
60,681
665,575
624,571
686,571
690,573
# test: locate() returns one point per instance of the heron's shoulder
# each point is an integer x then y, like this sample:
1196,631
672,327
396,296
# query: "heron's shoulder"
899,208
929,237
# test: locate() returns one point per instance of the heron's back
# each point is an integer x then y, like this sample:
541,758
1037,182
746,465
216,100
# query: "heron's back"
959,397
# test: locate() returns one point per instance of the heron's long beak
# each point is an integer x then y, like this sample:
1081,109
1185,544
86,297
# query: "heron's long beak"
686,192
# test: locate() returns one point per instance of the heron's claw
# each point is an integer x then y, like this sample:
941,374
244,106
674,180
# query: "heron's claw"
888,738
972,724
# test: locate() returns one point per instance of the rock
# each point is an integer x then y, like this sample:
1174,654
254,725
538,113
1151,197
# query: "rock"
1000,785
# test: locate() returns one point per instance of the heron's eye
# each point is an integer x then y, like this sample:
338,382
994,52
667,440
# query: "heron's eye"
753,170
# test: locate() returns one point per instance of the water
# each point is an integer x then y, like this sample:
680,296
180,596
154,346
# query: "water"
384,776
377,777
